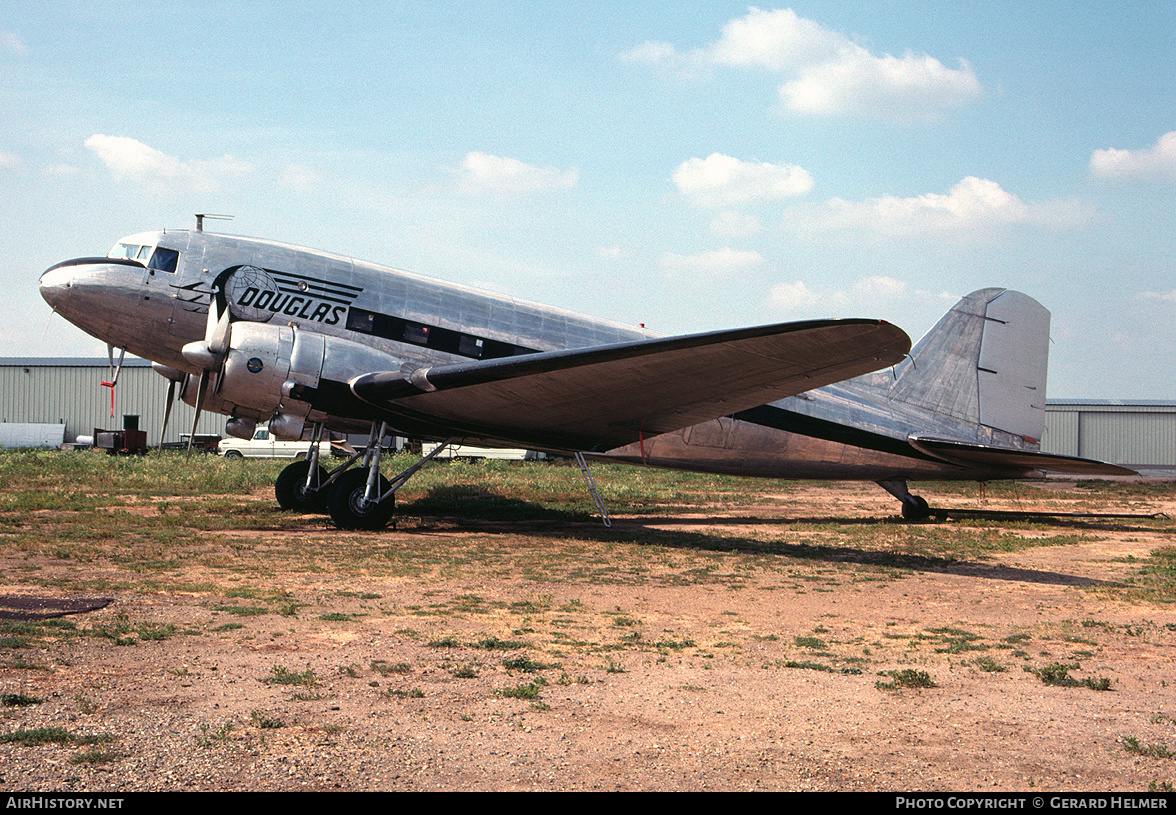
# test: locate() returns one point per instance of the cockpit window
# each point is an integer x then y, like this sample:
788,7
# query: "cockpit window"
164,260
124,250
144,253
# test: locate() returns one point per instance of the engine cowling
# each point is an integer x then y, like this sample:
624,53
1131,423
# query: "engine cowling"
263,365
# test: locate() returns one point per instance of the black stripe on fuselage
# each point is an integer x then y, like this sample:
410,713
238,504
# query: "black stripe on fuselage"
435,337
789,421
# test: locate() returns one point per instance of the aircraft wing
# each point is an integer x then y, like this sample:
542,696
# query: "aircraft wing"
602,397
1002,458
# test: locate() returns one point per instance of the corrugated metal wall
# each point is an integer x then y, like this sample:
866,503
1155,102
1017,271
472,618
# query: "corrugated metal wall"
1128,433
69,392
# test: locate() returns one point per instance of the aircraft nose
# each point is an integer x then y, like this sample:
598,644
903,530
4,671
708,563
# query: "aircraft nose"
55,285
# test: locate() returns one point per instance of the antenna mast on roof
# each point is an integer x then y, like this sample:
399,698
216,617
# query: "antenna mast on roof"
200,216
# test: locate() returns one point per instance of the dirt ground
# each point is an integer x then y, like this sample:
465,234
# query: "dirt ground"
759,648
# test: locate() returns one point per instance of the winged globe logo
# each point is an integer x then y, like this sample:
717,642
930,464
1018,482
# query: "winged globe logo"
258,295
250,292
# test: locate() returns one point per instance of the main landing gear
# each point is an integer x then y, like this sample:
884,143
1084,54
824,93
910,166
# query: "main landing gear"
914,507
359,498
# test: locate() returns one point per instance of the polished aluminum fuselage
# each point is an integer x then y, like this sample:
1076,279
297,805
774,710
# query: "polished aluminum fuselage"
852,430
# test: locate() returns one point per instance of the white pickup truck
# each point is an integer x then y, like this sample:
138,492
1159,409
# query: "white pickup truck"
264,445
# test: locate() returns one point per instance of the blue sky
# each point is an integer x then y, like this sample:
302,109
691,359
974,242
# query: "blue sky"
685,165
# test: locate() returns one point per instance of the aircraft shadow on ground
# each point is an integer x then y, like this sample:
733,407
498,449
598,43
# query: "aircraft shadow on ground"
478,509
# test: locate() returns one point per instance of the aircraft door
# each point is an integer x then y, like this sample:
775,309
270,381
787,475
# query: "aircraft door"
189,287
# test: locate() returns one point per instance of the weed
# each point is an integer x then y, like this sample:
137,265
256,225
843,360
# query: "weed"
50,735
221,735
906,678
808,666
18,700
280,675
262,720
989,664
1058,673
445,642
1132,745
529,690
814,643
493,643
523,664
674,645
95,755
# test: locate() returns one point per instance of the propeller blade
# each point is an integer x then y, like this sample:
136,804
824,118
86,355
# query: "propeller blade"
216,329
171,398
218,335
201,389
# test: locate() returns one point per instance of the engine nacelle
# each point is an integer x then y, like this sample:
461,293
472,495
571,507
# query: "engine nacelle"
264,364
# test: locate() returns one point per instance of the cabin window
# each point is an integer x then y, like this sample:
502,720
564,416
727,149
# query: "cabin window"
415,333
470,346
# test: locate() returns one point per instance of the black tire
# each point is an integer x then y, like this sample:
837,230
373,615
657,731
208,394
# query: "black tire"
234,454
345,502
291,492
916,509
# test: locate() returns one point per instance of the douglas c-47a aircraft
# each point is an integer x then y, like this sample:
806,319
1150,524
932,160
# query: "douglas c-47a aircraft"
305,340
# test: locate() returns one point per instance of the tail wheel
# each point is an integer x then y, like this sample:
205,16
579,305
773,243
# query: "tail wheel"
915,508
292,494
349,510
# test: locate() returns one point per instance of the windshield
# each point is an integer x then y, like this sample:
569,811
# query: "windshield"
158,258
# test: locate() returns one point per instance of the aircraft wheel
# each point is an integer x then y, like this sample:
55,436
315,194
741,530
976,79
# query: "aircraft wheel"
346,505
290,489
915,509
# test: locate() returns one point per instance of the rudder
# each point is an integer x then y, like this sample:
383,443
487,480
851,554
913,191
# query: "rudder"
984,364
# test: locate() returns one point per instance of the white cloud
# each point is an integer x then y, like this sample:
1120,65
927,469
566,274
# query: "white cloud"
794,298
130,159
1169,297
718,181
859,83
11,44
484,173
800,299
721,263
731,224
823,71
973,206
300,178
1158,161
9,161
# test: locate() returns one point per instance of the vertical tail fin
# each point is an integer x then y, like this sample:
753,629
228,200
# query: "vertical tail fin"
983,365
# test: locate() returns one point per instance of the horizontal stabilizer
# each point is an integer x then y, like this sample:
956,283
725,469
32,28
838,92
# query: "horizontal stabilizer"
989,457
602,397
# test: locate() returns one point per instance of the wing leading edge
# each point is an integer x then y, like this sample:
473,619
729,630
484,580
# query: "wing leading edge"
602,397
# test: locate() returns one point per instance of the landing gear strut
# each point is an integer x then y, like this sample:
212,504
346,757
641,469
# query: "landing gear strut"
363,498
301,485
914,507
